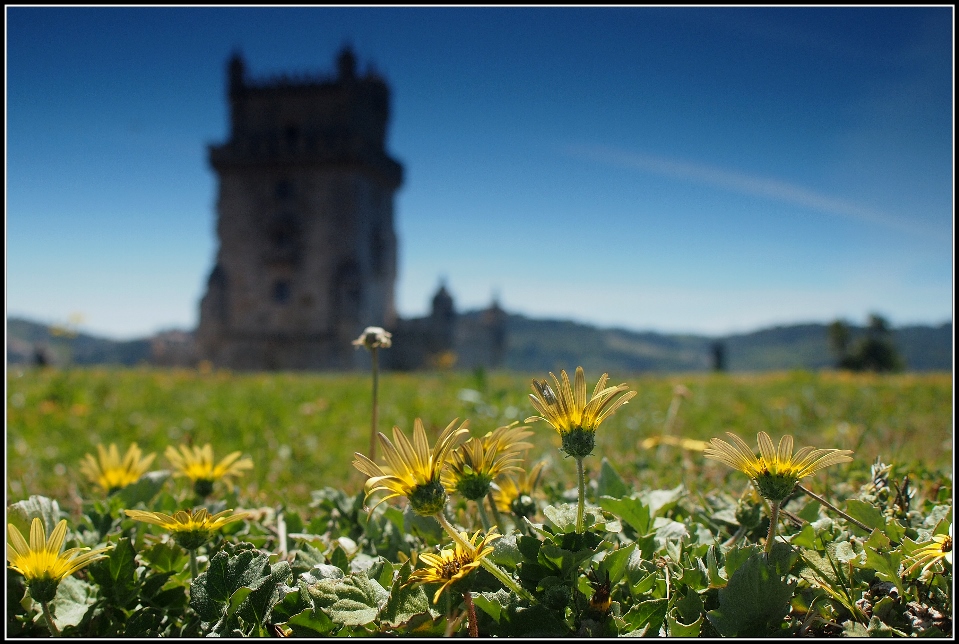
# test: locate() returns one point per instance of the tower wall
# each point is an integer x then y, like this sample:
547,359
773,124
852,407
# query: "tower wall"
307,254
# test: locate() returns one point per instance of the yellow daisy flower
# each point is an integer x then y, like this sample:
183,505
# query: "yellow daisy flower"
41,563
516,496
190,528
776,472
111,472
196,463
474,464
937,549
412,470
567,409
452,565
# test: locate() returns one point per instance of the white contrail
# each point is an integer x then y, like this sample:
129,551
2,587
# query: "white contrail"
746,184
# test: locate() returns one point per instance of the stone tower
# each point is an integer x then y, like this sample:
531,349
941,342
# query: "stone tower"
307,247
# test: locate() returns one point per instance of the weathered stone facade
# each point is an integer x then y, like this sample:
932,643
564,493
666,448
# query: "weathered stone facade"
307,254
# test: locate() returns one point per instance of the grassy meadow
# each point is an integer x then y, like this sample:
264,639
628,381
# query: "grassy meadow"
301,429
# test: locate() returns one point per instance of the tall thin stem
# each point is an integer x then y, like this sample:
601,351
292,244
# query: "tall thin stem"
492,568
835,509
48,617
471,614
483,516
581,477
773,521
376,373
496,515
194,568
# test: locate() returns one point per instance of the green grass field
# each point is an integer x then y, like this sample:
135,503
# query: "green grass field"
301,429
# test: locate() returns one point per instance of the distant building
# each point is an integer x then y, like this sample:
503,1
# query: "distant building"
307,247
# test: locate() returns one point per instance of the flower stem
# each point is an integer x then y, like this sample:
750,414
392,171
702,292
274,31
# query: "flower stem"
483,516
773,520
48,617
471,614
492,568
376,373
194,568
581,477
835,509
496,515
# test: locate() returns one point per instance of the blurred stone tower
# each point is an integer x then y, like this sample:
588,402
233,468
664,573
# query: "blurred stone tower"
307,247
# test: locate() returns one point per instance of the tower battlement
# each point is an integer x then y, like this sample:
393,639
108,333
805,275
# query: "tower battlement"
321,120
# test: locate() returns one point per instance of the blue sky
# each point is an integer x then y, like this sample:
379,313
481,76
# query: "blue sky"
673,169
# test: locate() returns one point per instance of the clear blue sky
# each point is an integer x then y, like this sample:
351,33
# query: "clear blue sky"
670,169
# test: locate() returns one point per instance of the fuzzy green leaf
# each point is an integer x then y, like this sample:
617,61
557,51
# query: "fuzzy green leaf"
647,615
358,600
211,591
610,483
755,600
631,510
116,574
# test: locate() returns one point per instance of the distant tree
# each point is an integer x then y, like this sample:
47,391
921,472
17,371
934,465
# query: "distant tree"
839,336
719,355
876,351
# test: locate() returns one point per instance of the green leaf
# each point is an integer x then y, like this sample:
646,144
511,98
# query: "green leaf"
716,579
145,622
166,557
737,556
321,572
74,597
689,607
805,538
404,603
662,501
493,604
142,490
116,574
22,513
755,600
648,614
532,621
615,563
610,483
562,516
675,628
865,513
358,600
211,591
264,593
339,559
506,552
632,510
885,560
310,623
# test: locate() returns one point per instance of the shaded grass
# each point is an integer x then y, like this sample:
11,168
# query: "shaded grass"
302,429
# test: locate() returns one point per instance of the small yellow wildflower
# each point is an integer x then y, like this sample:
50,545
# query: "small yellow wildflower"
570,413
474,464
776,472
939,548
110,472
41,563
190,528
452,565
412,470
516,496
196,463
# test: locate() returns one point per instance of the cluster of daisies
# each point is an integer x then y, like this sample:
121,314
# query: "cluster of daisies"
486,469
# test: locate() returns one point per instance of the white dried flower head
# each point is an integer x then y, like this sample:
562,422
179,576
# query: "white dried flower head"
374,337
